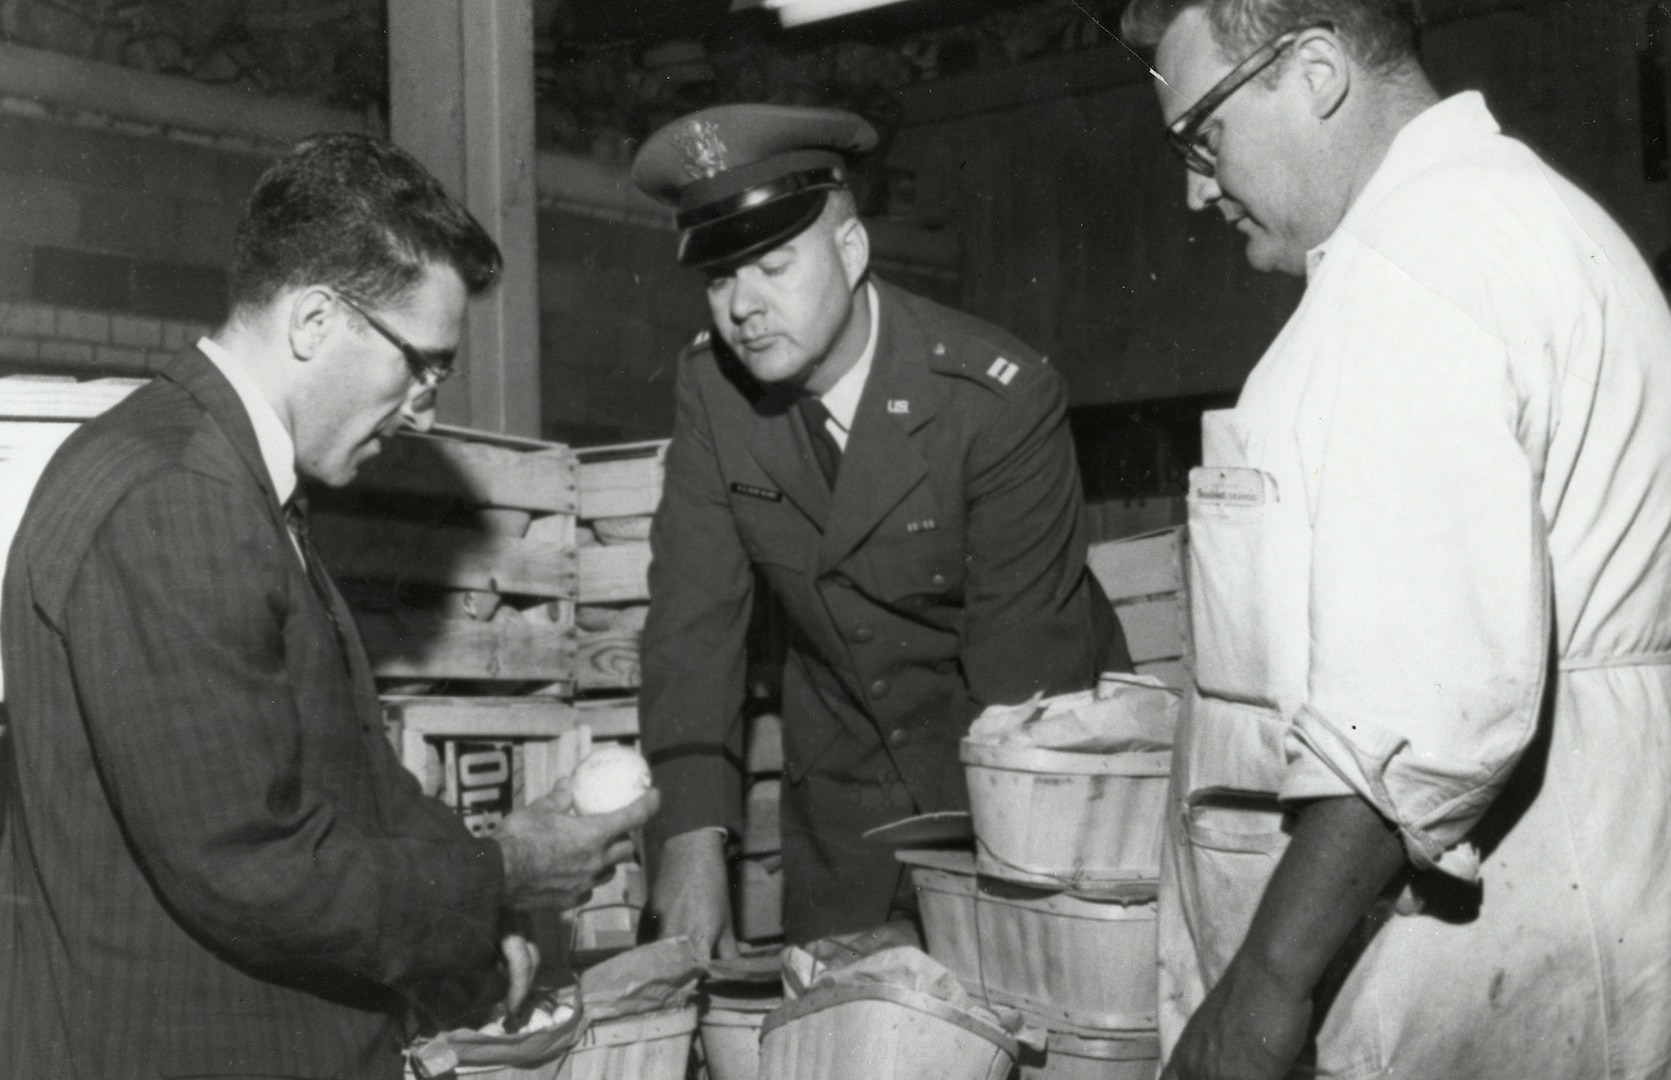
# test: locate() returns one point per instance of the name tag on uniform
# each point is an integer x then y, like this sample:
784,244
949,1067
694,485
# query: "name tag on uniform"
1230,486
754,492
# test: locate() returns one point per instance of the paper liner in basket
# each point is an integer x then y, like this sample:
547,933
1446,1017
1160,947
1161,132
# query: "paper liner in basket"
907,968
1125,714
662,975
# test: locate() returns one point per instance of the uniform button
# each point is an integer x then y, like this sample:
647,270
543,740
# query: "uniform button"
938,581
900,796
864,635
899,737
879,688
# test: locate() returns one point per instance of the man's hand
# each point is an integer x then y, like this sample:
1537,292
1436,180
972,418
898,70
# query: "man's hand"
554,858
1250,1027
691,894
522,960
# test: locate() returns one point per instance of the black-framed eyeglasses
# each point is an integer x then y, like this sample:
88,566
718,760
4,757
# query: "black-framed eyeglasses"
430,367
1184,133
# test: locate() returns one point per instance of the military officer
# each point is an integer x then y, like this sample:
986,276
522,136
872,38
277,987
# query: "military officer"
900,475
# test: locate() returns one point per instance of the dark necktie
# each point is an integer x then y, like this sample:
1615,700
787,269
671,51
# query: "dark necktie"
296,516
824,446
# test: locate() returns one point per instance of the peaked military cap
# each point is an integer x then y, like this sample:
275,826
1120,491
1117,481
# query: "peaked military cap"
744,178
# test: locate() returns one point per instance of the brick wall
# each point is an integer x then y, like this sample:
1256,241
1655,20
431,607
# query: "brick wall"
118,222
77,340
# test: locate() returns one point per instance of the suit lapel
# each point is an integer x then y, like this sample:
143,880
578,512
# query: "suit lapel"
882,464
197,375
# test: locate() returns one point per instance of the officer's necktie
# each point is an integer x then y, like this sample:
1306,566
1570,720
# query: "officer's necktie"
296,516
824,446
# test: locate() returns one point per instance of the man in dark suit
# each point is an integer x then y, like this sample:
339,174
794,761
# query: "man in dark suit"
902,478
213,864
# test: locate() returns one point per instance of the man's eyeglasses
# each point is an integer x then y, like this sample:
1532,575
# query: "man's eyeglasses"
1184,133
430,367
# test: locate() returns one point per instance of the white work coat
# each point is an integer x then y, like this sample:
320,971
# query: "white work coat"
1429,569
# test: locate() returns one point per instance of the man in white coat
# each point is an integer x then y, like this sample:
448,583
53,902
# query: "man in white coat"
1421,795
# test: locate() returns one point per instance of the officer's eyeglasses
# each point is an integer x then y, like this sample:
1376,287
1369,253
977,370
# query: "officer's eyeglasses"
1184,133
430,367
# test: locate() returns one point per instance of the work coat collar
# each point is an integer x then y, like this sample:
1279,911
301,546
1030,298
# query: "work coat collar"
882,463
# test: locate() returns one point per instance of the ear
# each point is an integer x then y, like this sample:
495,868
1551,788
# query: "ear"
854,244
1326,68
311,309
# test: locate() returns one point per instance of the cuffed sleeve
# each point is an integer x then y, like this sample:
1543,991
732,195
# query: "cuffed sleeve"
1429,593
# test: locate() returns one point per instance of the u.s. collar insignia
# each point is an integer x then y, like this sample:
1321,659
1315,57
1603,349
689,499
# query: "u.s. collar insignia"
703,149
899,406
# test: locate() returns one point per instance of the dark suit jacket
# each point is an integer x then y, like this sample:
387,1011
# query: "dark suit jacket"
945,572
213,864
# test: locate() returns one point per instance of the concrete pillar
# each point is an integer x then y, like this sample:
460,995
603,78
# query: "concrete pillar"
461,98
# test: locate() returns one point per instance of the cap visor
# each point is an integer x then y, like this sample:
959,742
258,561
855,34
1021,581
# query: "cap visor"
749,232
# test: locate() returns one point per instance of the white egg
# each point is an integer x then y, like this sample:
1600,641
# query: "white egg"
609,778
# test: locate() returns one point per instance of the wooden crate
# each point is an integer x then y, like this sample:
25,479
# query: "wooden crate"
623,480
456,551
1145,578
620,487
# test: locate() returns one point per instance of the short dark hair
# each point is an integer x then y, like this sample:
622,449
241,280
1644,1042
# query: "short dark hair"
1380,33
359,214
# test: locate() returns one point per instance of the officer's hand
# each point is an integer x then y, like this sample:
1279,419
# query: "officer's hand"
691,894
554,858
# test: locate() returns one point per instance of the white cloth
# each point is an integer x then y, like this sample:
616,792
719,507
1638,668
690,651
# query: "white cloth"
842,399
1451,468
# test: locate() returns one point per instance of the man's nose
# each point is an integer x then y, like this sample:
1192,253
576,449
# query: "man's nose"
1202,191
745,298
419,411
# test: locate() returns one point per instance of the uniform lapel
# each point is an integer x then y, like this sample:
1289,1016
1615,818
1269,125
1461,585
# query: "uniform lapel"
882,464
780,444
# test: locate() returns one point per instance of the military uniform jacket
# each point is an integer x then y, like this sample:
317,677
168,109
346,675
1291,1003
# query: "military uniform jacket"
945,572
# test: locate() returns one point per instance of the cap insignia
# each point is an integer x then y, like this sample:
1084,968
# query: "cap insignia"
704,151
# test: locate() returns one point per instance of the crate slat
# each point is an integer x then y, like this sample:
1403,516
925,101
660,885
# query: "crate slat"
615,574
621,481
475,473
410,644
378,550
607,659
1155,629
46,397
1139,566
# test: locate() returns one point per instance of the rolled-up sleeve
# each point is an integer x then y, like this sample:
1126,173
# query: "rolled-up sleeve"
1429,609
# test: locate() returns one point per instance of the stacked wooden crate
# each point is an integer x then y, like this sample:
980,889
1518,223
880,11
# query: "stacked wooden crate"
759,873
457,551
619,489
1144,576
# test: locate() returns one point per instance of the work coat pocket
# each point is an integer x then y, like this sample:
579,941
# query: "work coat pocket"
1247,585
1227,770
